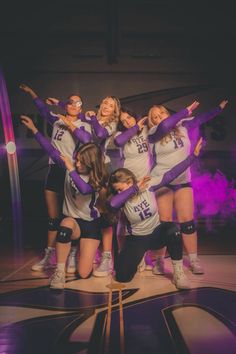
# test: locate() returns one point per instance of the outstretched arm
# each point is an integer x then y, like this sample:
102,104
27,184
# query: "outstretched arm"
80,184
169,123
80,133
43,142
205,117
178,169
40,105
119,200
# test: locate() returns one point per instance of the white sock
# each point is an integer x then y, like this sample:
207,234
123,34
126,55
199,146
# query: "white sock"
192,257
73,250
107,254
61,266
51,248
177,265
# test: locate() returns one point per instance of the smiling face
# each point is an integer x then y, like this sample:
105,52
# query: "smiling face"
74,106
107,107
158,114
127,120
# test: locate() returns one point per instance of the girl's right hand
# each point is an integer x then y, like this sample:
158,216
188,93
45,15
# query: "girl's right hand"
25,88
90,114
141,122
28,123
192,107
198,147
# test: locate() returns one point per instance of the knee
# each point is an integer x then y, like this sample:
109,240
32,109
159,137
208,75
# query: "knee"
188,227
64,234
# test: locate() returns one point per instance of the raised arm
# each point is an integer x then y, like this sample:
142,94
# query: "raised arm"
169,123
177,170
80,133
205,117
43,142
83,187
122,138
100,131
40,105
119,200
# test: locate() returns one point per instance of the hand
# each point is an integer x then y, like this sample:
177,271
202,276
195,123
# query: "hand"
29,123
29,90
223,104
90,113
141,122
192,107
143,183
198,147
66,120
52,101
68,162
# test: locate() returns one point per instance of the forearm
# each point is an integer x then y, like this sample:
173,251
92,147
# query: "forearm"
80,184
124,137
174,172
44,111
202,118
119,200
81,134
49,149
167,125
100,131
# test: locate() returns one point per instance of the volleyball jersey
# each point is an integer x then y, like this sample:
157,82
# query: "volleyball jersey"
62,139
76,204
135,154
168,154
105,140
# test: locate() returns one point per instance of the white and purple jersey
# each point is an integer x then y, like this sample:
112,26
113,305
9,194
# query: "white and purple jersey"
135,153
105,140
63,140
168,154
76,204
142,213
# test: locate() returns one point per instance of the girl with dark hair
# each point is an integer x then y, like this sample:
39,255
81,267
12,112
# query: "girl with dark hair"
67,134
137,201
81,217
168,150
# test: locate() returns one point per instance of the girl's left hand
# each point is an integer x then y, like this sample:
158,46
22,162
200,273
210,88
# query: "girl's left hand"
143,183
223,104
141,122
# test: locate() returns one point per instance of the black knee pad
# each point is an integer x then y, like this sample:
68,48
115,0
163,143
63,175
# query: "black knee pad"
64,234
174,240
53,224
188,227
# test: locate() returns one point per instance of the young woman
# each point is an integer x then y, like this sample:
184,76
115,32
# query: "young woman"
137,200
132,139
67,134
104,125
167,151
81,217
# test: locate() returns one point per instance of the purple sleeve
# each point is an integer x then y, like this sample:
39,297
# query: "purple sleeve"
49,149
62,105
82,135
167,125
174,172
100,131
119,200
202,118
44,111
121,139
82,186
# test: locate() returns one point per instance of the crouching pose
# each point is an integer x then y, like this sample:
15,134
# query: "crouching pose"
81,217
137,201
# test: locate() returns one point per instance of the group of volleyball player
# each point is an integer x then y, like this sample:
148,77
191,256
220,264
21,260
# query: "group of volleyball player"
149,196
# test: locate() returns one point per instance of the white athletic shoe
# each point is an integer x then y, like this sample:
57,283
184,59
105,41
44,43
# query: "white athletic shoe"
105,267
57,280
48,260
180,280
141,266
196,267
159,268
